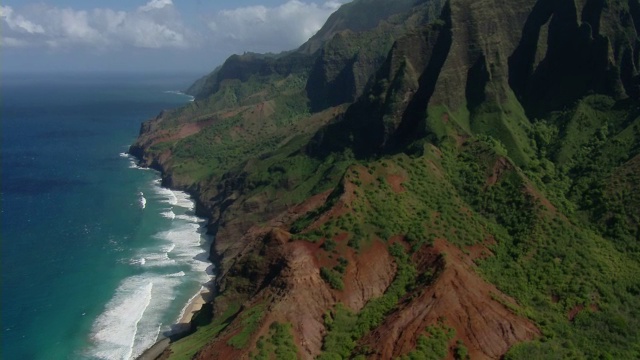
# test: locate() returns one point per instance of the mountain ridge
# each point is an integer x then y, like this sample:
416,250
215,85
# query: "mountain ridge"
448,143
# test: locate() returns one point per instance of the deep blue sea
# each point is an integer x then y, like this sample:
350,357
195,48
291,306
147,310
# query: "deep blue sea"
97,259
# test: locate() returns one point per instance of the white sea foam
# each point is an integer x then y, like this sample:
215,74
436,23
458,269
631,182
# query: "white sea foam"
133,163
189,218
184,200
115,329
178,274
140,261
186,306
142,200
137,314
150,325
132,321
166,195
157,260
168,214
169,248
191,98
188,246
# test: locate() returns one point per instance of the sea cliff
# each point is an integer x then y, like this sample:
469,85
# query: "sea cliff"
441,179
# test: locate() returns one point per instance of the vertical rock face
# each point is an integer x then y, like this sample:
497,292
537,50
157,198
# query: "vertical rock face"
398,95
549,52
487,66
589,48
340,72
351,54
484,34
358,16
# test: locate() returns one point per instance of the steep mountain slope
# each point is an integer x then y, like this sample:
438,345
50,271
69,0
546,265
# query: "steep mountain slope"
422,179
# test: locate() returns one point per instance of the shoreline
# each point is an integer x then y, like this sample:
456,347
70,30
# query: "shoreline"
182,326
194,305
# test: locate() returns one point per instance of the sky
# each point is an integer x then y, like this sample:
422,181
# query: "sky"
149,35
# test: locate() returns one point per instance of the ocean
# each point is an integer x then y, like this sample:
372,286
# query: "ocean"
98,260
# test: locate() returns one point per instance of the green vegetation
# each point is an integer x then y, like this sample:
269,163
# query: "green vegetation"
508,124
277,345
340,325
420,213
551,263
345,328
342,265
187,347
435,345
461,352
250,321
333,278
546,254
554,198
241,121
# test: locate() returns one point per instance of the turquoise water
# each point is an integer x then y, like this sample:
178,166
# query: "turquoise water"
97,259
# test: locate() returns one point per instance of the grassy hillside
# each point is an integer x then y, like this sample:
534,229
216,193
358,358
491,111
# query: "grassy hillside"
439,179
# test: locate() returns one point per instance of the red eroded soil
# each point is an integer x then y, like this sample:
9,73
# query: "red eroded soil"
395,181
531,190
301,297
192,128
342,207
368,275
304,297
189,129
501,165
298,294
463,300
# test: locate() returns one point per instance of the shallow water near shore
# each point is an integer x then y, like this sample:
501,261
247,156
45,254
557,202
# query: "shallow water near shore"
97,259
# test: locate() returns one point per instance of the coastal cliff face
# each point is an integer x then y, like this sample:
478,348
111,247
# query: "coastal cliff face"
422,179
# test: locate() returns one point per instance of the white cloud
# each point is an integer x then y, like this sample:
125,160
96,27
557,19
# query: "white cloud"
72,27
159,24
155,4
155,25
260,28
332,5
18,23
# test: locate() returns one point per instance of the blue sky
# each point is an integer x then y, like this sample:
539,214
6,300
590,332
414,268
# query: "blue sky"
149,35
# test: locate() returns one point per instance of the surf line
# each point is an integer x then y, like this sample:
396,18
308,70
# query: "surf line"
139,313
186,225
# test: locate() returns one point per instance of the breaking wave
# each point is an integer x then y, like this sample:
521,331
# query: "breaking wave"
144,305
